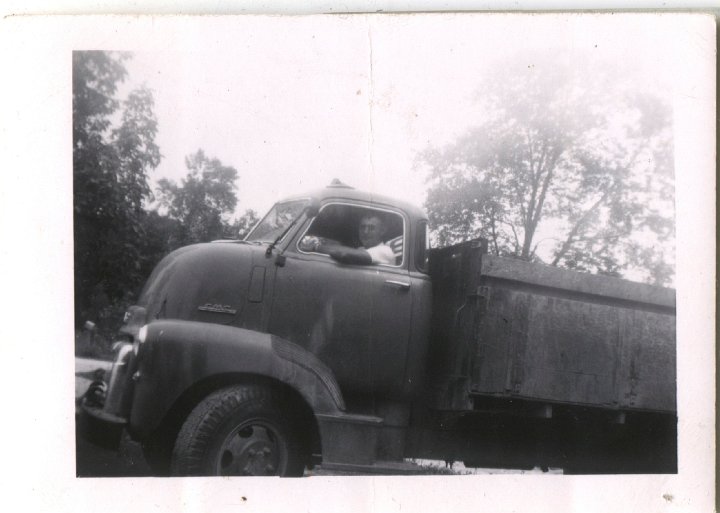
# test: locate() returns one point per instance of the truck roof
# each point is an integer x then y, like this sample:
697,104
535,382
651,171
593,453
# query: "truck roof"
339,190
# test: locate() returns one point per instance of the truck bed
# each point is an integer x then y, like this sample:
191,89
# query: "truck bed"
505,328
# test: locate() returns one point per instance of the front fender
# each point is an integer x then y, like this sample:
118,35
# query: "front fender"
179,354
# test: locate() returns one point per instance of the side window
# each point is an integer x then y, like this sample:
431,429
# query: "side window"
379,232
422,250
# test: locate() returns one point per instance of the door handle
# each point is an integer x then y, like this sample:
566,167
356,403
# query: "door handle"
399,284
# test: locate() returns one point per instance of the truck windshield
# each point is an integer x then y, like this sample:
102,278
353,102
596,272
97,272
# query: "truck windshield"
276,221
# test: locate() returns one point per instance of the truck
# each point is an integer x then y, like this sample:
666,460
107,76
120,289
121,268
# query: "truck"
271,355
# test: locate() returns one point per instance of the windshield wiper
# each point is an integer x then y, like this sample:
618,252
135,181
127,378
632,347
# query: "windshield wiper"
272,245
311,209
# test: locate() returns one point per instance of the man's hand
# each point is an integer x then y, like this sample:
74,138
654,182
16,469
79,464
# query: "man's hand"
310,243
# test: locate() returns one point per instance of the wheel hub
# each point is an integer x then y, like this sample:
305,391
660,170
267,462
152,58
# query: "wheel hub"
249,451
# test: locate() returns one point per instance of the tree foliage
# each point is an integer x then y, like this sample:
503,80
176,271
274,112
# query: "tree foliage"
111,162
242,225
574,172
118,239
202,200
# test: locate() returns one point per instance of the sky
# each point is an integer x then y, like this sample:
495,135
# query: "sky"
293,102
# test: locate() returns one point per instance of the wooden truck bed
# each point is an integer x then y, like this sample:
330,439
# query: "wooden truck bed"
505,328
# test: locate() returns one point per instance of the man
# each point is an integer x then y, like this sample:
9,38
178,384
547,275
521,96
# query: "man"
373,250
371,232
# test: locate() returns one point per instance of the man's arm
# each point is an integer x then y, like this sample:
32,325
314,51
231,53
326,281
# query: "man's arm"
357,256
346,255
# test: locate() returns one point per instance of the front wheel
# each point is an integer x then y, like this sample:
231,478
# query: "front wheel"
243,430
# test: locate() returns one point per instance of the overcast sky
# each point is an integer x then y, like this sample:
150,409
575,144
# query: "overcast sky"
293,102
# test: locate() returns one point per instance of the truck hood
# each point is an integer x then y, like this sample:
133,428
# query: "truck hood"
203,282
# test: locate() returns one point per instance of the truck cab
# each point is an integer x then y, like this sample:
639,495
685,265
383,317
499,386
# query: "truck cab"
336,340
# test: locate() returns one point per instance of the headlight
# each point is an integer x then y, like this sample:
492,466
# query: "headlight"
140,339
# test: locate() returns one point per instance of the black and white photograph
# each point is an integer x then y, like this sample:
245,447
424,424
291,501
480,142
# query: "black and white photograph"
375,254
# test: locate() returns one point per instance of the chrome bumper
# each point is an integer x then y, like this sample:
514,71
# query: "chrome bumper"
102,419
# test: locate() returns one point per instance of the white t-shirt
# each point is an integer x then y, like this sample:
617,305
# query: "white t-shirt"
382,254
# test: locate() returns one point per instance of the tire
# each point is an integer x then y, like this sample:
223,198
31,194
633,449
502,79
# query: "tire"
240,430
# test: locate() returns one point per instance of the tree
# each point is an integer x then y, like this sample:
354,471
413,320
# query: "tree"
134,142
242,225
203,198
110,167
561,170
95,75
159,239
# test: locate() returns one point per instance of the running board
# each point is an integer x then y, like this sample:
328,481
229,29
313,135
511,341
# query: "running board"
349,439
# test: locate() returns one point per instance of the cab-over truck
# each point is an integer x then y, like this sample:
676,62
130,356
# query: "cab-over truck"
266,356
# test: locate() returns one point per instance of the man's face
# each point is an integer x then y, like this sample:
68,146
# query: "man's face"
371,231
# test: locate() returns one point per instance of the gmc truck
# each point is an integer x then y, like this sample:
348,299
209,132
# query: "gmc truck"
272,354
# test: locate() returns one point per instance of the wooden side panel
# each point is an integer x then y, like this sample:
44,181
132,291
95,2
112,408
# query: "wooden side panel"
570,353
455,272
518,330
647,361
537,346
501,335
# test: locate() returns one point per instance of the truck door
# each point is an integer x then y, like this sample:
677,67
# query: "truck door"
355,318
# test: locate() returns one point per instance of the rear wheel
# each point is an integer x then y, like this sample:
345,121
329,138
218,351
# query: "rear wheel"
239,431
